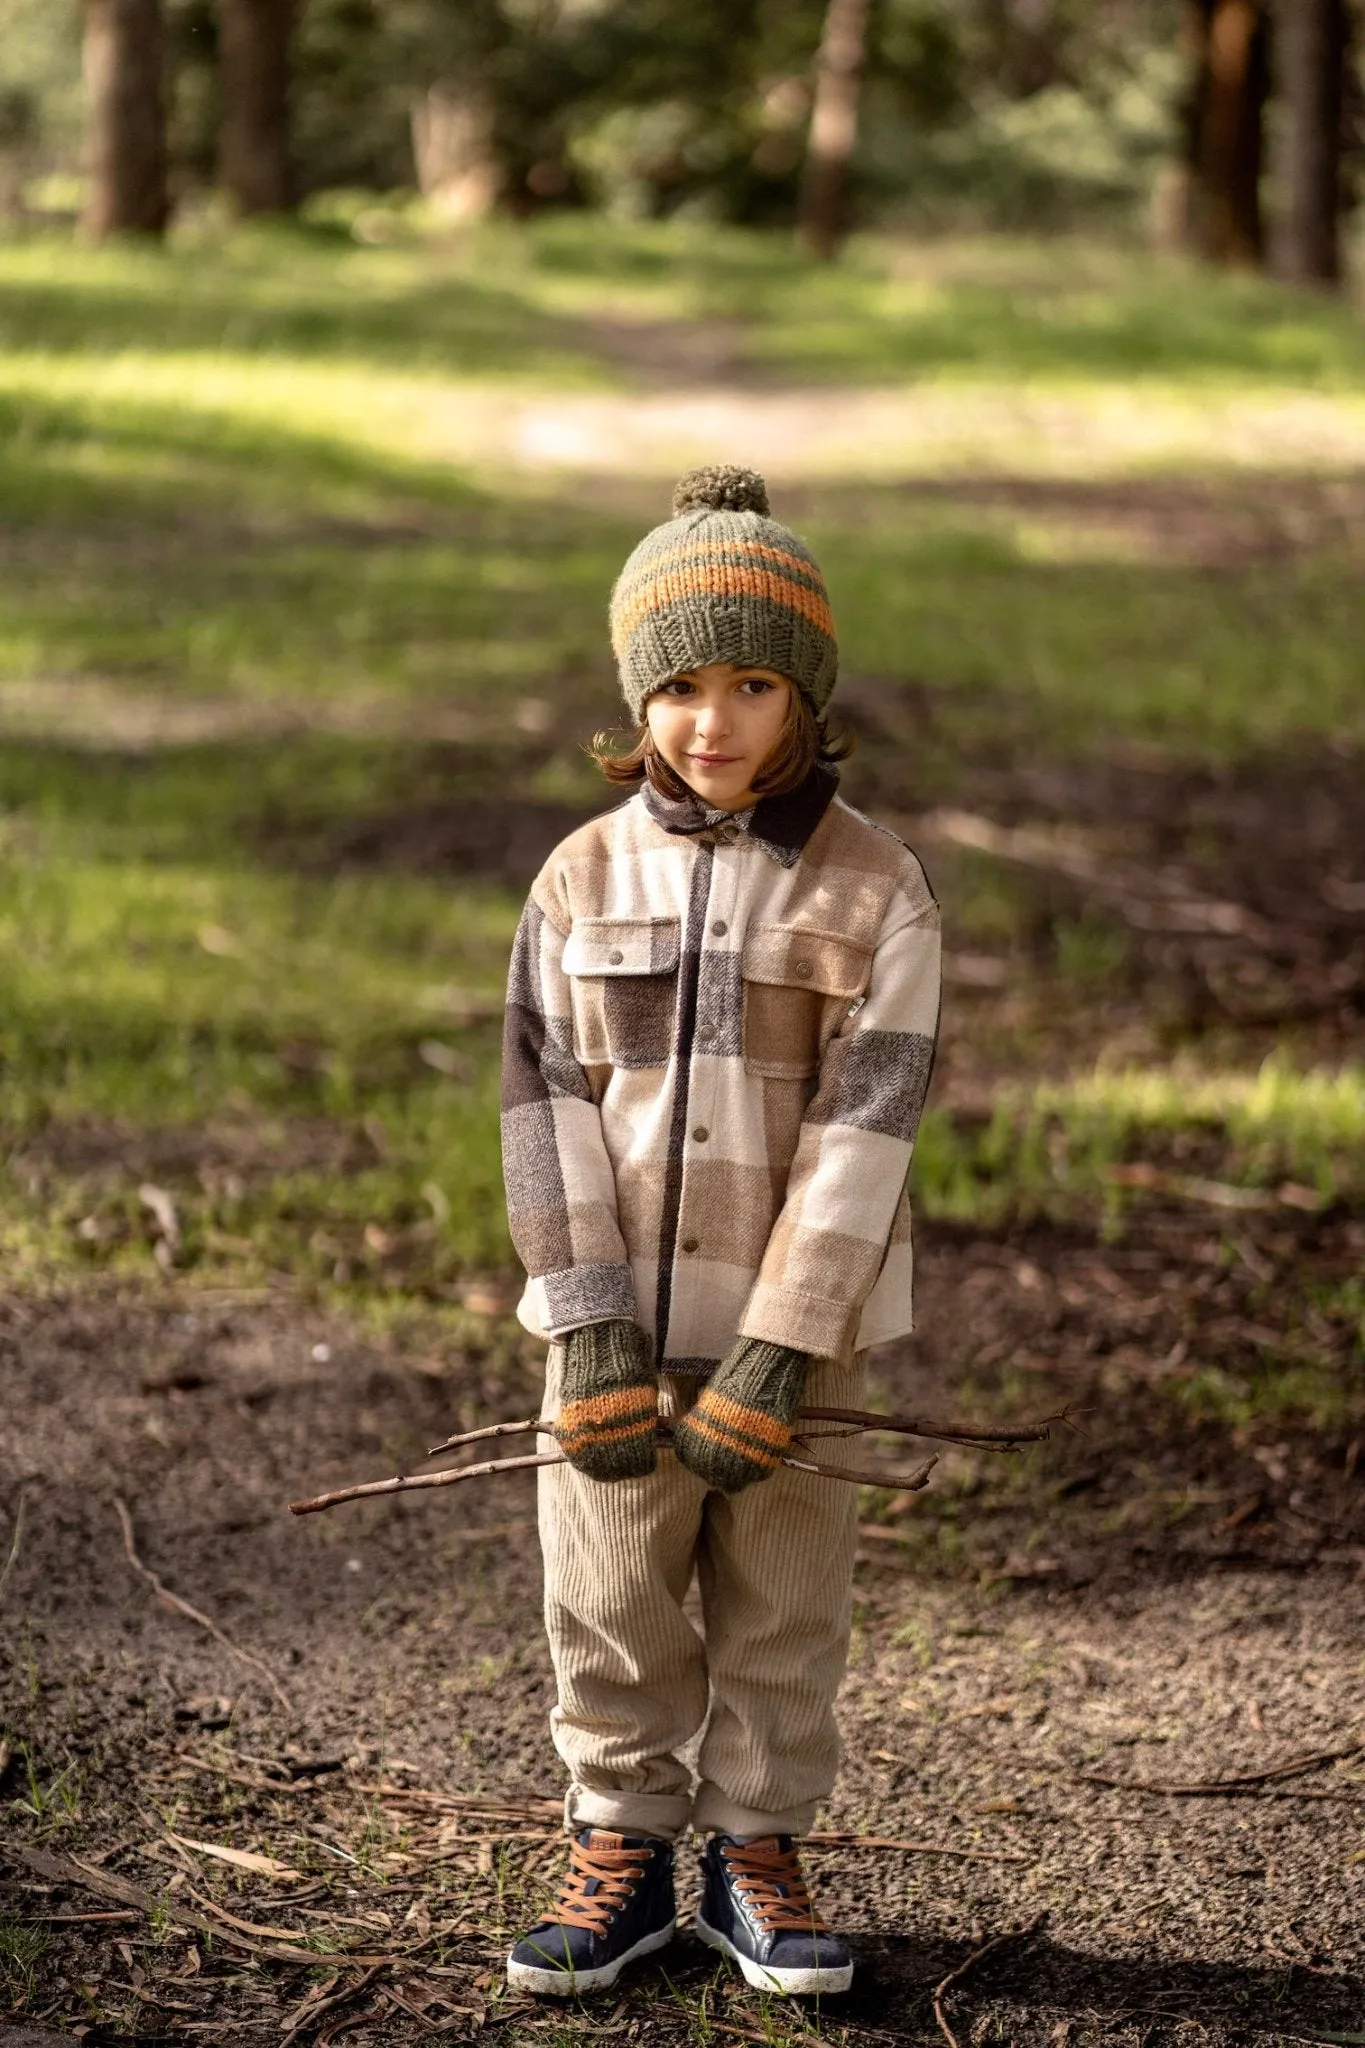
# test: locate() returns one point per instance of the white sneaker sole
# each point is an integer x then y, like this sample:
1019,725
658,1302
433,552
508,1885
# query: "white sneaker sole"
574,1983
763,1977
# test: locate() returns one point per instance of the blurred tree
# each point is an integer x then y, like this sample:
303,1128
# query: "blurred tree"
127,124
18,136
839,67
255,168
1311,48
1229,41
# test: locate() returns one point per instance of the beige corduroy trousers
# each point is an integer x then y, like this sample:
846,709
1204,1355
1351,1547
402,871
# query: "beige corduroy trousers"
636,1681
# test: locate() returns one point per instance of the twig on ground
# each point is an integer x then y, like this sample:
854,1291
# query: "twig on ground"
835,1840
1212,1787
107,1884
305,2016
954,1977
179,1606
15,1540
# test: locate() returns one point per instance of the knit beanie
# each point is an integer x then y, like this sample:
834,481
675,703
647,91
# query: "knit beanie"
722,581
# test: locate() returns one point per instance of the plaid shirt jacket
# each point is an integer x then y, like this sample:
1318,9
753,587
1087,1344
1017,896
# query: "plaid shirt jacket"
719,1037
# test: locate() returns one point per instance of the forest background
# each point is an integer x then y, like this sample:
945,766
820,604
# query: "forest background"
345,350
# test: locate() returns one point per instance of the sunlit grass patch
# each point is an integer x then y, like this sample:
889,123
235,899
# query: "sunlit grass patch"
1088,1144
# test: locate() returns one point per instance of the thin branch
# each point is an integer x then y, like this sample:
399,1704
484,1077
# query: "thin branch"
858,1420
953,1977
1006,1439
1245,1781
414,1482
109,1885
903,1482
179,1606
478,1436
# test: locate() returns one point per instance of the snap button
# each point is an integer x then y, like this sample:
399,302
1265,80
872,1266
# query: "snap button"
706,1032
803,968
701,1134
719,928
689,1244
616,956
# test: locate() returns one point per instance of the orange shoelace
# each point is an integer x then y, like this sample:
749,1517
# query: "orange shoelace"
614,1872
773,1884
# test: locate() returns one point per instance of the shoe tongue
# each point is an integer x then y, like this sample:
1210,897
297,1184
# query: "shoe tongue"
601,1838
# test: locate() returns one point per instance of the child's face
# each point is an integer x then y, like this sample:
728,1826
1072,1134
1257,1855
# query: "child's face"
716,726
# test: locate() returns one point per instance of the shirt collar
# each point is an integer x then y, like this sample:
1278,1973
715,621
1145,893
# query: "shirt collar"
781,825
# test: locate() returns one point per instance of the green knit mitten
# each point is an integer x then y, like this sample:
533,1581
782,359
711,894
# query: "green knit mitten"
741,1425
609,1401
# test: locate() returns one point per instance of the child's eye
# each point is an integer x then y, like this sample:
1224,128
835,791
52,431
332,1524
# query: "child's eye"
756,685
679,686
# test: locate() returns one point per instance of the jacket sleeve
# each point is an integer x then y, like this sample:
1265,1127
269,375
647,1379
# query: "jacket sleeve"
830,1238
561,1191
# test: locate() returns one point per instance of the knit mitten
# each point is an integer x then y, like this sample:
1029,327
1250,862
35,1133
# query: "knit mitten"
741,1425
609,1401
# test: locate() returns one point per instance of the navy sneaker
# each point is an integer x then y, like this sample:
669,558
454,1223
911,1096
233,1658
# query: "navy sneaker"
615,1902
755,1906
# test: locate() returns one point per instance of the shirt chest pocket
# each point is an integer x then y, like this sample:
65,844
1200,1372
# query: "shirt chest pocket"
799,986
623,988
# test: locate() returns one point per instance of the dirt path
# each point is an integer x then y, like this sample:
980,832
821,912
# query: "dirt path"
1162,1600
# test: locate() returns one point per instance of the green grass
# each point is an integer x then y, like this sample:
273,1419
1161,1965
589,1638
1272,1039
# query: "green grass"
267,573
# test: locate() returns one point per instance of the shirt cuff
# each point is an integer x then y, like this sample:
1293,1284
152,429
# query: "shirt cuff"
587,1294
803,1322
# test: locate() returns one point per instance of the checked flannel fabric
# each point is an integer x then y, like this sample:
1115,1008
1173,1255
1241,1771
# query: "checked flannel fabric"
719,1037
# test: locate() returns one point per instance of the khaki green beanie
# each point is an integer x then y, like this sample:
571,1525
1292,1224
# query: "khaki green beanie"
722,581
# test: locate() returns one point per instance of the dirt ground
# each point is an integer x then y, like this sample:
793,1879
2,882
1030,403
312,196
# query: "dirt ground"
1055,1656
1159,1601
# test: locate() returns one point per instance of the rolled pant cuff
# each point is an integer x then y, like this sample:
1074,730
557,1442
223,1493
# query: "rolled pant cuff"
663,1814
713,1813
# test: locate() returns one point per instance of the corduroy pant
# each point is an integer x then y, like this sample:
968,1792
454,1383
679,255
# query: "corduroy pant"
636,1681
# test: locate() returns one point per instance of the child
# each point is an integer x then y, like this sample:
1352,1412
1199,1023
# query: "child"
720,1025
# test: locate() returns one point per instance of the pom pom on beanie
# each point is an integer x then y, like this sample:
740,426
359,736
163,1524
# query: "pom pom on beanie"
722,580
719,488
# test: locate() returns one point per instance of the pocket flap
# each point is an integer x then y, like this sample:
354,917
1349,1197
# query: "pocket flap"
792,957
623,945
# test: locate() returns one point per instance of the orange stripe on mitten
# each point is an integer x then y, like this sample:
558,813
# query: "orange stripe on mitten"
740,1428
609,1402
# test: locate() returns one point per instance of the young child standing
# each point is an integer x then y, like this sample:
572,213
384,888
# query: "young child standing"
721,1020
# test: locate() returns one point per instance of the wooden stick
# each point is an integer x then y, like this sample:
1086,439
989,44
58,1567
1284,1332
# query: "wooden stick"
1206,1788
938,1432
478,1436
953,1977
902,1482
179,1606
404,1482
858,1420
414,1482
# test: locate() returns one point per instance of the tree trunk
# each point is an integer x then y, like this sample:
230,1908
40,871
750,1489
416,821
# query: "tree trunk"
254,166
1310,71
453,150
127,119
833,126
1231,46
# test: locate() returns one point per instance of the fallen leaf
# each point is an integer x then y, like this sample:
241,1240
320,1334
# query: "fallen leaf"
244,1859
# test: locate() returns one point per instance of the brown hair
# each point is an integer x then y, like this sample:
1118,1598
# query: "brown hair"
803,741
